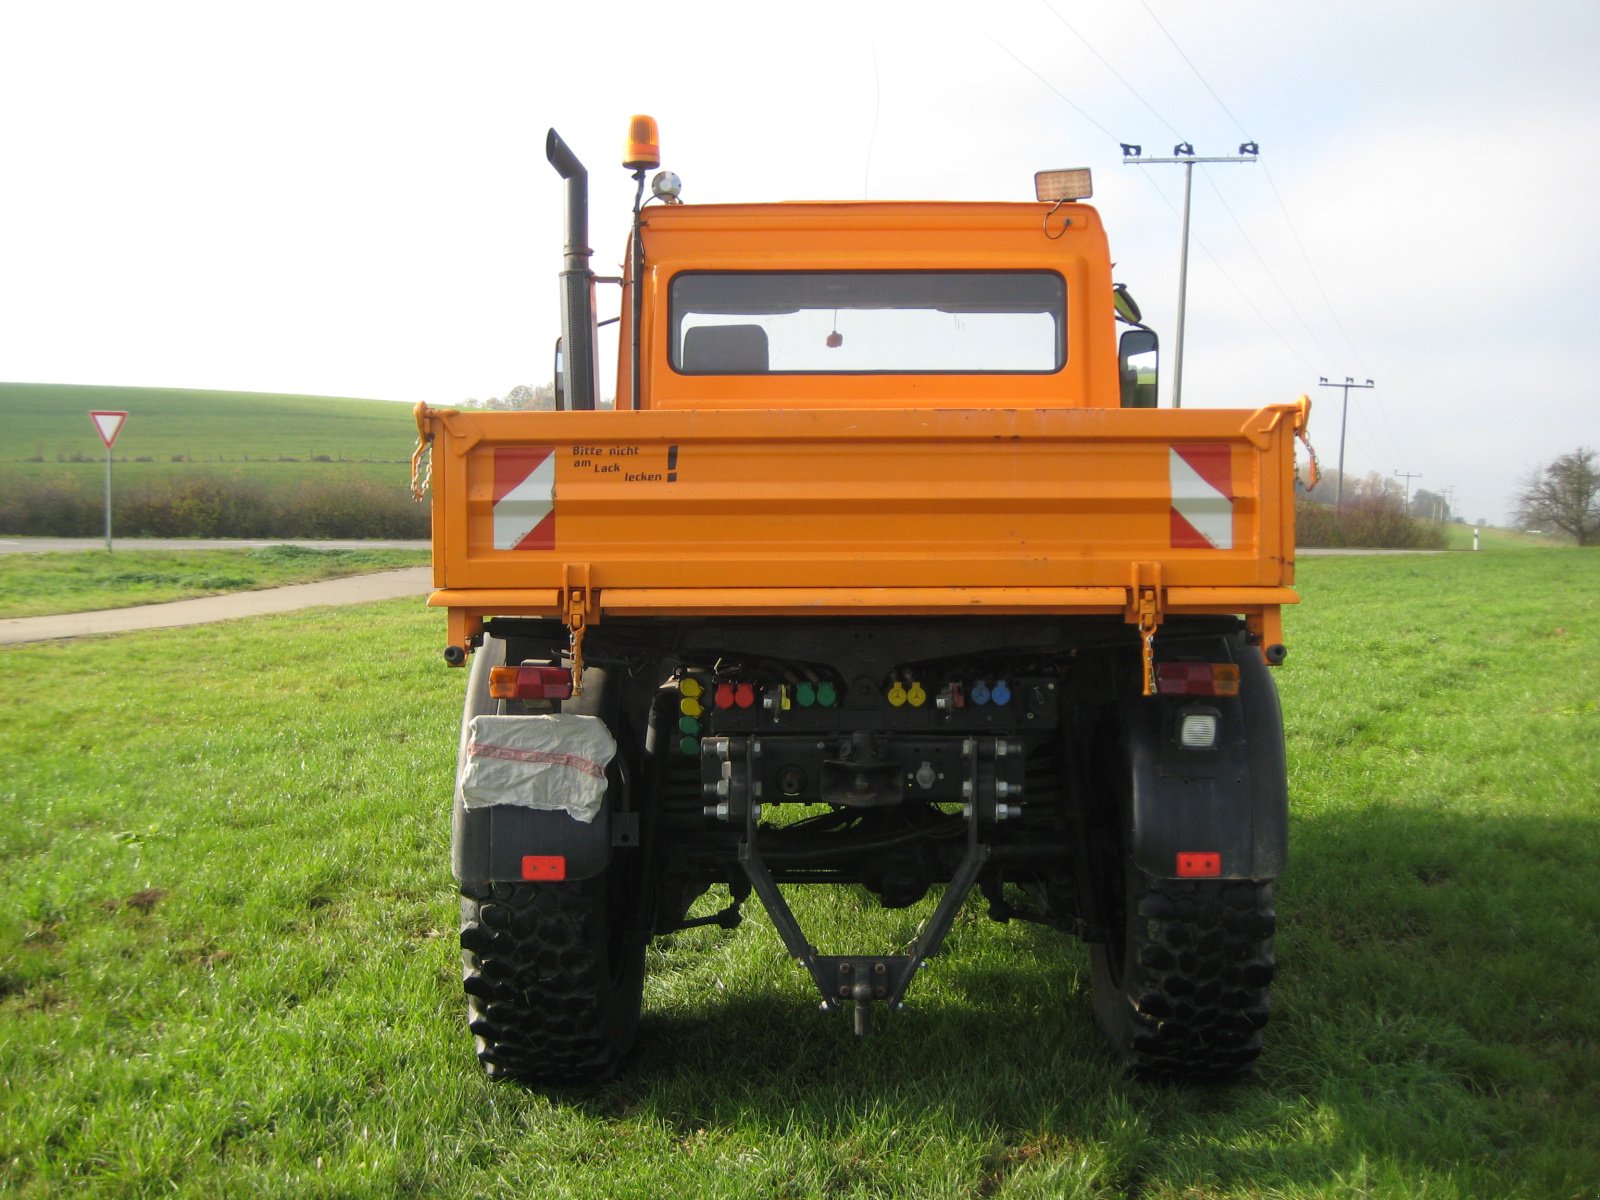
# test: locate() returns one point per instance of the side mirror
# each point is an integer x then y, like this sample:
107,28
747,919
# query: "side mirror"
560,378
1127,307
1138,359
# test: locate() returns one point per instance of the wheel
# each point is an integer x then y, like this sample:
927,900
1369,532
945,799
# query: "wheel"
1180,984
553,982
1181,976
553,972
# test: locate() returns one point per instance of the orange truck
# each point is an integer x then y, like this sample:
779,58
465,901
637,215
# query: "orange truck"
881,569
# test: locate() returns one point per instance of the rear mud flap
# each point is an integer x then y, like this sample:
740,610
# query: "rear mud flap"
532,800
1220,812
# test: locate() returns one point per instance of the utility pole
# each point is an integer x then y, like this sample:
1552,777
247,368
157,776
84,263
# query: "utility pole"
1338,498
1183,154
1408,476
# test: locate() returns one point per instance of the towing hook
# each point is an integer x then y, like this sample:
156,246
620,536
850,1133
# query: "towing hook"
862,994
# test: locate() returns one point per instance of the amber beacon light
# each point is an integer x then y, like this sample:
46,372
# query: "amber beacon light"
644,144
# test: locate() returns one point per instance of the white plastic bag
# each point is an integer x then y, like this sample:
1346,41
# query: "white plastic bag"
555,762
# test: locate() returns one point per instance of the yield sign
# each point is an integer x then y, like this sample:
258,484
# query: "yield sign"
109,424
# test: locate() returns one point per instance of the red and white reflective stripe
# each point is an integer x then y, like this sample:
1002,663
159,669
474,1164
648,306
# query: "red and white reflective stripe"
477,749
1202,497
525,498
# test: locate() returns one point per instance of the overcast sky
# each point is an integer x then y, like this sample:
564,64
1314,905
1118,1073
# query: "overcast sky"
352,199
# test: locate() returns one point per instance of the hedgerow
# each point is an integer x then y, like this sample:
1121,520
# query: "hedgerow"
200,504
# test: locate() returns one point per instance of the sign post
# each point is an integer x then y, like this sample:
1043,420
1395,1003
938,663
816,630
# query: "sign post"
108,425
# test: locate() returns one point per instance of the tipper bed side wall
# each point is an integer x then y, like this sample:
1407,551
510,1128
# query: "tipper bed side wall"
972,508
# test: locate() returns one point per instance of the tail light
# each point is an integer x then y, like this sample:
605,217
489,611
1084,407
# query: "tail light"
530,683
1197,679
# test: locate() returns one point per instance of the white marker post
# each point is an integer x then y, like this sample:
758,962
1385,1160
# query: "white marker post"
108,424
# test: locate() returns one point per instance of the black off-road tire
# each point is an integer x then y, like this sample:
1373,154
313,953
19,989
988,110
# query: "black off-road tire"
553,983
1181,983
553,972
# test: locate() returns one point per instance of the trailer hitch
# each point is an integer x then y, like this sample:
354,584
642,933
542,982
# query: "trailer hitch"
863,980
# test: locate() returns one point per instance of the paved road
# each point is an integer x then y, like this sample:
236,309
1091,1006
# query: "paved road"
24,545
39,545
355,589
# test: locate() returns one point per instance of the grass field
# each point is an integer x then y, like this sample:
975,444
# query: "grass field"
206,464
33,585
49,423
228,962
1492,538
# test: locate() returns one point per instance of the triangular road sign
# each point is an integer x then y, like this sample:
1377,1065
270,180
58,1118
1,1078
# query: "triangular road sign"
109,424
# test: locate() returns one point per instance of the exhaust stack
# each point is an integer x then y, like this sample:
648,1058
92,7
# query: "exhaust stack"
580,373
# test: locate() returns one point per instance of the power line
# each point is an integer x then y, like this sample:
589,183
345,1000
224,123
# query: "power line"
1408,476
1270,273
1344,410
1311,267
1051,9
1215,262
1271,183
1059,93
1242,130
1234,284
1184,156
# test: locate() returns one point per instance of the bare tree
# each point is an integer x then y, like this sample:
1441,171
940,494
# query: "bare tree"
1564,495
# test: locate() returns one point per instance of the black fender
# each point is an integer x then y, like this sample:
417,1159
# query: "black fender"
487,845
1231,801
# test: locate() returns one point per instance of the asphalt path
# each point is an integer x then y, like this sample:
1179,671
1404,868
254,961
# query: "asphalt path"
40,545
352,589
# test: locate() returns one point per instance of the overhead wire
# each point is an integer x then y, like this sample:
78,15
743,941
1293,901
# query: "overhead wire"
1273,187
1050,8
1283,208
1215,262
1195,69
1233,283
1067,100
1272,275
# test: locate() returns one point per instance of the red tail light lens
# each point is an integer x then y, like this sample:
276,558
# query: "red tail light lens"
530,683
1197,679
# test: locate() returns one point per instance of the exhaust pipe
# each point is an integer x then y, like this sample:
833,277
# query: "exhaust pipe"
580,368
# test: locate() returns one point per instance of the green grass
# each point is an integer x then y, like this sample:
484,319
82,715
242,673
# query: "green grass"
50,423
292,466
126,475
228,962
33,585
1491,537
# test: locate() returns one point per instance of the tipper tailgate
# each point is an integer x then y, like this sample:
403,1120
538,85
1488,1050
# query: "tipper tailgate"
861,510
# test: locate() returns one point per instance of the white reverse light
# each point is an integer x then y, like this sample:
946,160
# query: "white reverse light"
1198,730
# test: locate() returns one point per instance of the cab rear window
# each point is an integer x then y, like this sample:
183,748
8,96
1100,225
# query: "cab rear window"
868,322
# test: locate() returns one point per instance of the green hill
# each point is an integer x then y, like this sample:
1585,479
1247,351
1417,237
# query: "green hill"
50,423
206,464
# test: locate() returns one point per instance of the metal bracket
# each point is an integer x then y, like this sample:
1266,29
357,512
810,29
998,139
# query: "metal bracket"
575,604
865,979
1144,610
